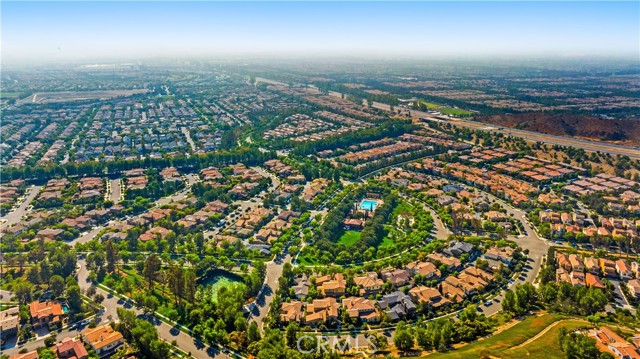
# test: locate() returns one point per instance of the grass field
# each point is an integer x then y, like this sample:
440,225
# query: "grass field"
10,94
349,238
386,242
401,208
447,110
499,345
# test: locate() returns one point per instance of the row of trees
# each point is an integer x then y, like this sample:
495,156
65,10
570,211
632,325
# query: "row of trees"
41,174
142,335
440,334
389,128
558,297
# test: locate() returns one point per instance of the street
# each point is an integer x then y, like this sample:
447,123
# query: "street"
166,332
15,216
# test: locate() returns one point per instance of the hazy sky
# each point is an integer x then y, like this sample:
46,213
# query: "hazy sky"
50,31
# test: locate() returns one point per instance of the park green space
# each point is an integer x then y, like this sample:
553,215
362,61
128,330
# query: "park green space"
544,347
10,95
349,238
446,110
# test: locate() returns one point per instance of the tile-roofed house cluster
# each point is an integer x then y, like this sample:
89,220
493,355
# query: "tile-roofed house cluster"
603,183
588,271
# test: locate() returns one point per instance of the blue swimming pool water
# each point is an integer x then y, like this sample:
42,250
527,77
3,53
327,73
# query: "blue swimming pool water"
368,205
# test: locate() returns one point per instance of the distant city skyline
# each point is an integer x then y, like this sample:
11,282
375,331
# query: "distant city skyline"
35,32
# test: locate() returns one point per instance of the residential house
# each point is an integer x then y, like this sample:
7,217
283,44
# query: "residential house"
451,263
301,288
369,283
577,279
425,269
591,265
397,277
592,280
332,286
322,310
497,254
70,348
634,287
397,305
609,341
428,295
624,270
46,313
452,291
103,339
496,216
364,309
457,248
28,355
608,268
576,263
9,322
291,312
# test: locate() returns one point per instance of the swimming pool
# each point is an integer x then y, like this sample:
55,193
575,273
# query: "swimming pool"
368,205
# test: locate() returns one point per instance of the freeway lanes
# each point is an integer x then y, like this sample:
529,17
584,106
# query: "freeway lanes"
527,135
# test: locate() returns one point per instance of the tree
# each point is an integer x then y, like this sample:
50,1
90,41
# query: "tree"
253,333
111,256
190,285
403,340
74,298
578,346
142,335
47,353
56,284
447,333
151,267
23,291
151,303
292,335
176,282
509,302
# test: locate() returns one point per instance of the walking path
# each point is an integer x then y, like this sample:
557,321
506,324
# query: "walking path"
543,332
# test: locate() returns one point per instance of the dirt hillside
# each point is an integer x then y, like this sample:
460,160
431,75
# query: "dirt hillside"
625,132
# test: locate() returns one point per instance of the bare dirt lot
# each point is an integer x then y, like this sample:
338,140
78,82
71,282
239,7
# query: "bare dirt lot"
624,132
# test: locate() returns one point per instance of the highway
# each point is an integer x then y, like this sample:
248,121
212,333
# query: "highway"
527,135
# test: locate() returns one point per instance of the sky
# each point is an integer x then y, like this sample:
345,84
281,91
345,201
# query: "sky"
102,31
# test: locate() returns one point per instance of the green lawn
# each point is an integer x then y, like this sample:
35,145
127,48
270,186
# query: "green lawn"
308,259
386,242
446,109
401,208
349,238
499,345
10,94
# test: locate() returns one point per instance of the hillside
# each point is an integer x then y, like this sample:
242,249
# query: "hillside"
626,132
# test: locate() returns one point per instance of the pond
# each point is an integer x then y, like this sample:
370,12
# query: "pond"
217,279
